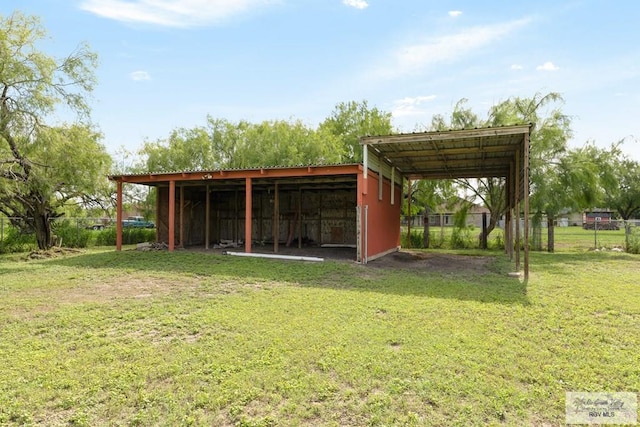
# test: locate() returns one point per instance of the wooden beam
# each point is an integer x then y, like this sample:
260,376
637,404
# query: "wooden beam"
248,215
517,210
459,163
393,185
181,219
526,206
409,213
119,216
447,135
300,218
172,215
276,218
207,217
427,151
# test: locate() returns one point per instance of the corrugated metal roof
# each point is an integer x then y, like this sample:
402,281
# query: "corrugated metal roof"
218,171
464,153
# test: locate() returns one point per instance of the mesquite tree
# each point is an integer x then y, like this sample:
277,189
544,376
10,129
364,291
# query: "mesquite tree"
44,167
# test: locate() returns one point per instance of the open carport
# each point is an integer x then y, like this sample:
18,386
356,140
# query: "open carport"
347,206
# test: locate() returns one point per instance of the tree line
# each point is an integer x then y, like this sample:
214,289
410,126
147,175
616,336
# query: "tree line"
48,169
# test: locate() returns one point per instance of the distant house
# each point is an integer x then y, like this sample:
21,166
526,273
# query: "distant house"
444,214
602,218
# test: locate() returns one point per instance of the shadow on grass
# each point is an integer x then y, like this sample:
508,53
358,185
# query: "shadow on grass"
565,263
491,286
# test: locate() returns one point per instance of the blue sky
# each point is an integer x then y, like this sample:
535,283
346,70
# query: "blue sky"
166,64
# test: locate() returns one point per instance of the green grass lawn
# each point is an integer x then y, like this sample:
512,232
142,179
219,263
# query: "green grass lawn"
185,338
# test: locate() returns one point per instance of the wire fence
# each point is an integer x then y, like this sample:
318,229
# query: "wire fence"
69,232
610,235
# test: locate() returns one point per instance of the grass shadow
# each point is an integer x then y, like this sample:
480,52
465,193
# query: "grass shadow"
565,263
491,286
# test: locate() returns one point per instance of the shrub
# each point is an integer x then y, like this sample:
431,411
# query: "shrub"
15,240
130,236
417,241
633,245
70,234
498,240
461,238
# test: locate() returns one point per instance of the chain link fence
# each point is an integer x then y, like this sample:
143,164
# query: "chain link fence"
70,232
614,235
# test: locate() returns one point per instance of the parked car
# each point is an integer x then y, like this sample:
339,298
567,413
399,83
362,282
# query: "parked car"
137,222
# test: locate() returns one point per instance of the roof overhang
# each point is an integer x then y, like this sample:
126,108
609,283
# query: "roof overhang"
467,153
298,175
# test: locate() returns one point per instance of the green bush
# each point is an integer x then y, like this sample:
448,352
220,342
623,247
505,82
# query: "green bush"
436,240
15,240
130,236
70,234
633,246
462,238
497,242
417,241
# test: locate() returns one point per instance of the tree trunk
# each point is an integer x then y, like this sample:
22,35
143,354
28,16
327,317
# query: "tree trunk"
627,234
536,234
42,228
550,234
426,228
41,225
493,221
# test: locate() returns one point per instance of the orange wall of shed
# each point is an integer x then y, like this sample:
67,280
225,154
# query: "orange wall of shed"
383,222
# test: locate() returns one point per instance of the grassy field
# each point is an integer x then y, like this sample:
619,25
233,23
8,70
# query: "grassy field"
154,338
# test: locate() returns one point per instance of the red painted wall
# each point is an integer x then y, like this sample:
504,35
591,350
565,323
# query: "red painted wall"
383,217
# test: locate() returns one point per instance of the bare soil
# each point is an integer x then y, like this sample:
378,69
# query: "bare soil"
445,263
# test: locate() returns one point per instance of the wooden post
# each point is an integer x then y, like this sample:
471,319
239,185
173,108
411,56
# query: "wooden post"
260,219
517,210
157,215
508,224
393,184
300,218
320,218
172,215
425,238
235,218
526,206
119,216
207,217
181,219
276,219
484,230
550,233
247,215
409,212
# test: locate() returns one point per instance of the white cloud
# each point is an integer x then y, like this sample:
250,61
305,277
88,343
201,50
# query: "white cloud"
409,106
140,75
413,58
172,13
517,67
547,66
455,13
358,4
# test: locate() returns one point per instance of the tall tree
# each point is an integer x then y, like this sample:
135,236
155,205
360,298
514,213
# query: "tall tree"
620,185
37,172
225,144
548,141
351,120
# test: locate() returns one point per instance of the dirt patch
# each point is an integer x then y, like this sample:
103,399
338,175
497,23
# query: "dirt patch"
53,252
433,262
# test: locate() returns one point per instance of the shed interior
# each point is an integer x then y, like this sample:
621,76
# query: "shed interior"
310,212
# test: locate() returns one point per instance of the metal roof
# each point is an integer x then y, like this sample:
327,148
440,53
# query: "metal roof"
467,153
